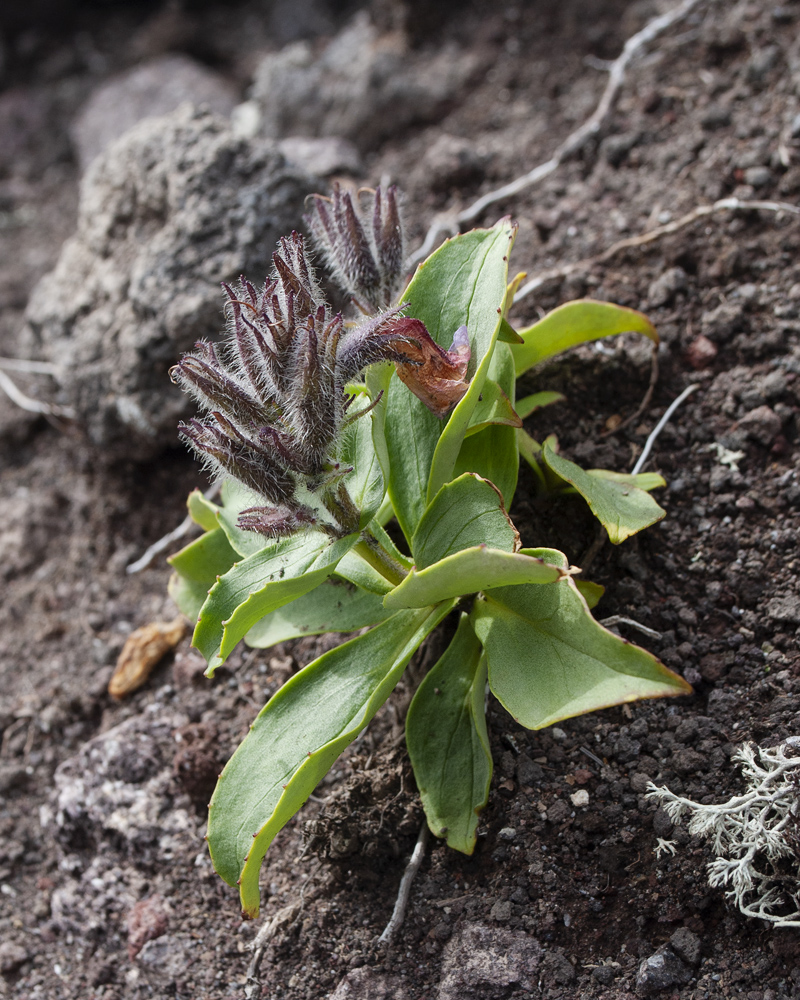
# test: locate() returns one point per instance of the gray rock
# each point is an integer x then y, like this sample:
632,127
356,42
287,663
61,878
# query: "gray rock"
149,90
324,156
485,963
501,911
528,771
721,323
448,162
761,424
686,945
119,786
784,609
12,955
167,957
660,971
664,288
363,87
758,176
614,148
172,208
367,984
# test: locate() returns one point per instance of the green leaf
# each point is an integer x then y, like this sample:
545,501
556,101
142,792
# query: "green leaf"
465,513
202,511
507,334
642,480
576,323
463,282
550,660
494,407
492,452
536,401
334,606
467,572
297,737
590,592
365,482
531,451
197,567
261,583
448,743
621,508
354,569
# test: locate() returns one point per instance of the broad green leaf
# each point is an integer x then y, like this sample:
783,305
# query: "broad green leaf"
621,508
550,660
576,323
354,569
465,513
485,316
531,451
494,407
197,567
526,406
643,480
261,583
297,737
365,482
334,606
590,592
492,452
467,572
202,511
463,282
448,743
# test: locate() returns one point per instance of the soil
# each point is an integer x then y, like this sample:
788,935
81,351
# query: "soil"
106,890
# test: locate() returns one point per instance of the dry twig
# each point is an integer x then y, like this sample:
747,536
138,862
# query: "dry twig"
447,223
16,395
701,212
399,912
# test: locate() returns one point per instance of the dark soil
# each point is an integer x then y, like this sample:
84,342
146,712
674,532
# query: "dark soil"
114,897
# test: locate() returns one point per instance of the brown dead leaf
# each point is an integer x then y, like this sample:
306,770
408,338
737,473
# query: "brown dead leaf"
142,651
435,376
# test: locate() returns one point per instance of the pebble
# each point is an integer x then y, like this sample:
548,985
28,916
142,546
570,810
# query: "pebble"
761,424
665,287
660,971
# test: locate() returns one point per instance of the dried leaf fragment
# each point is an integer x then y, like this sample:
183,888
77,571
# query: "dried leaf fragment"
435,376
142,651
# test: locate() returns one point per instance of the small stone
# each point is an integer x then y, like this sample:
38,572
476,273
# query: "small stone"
761,424
147,920
507,833
12,955
614,148
662,824
686,945
758,176
784,609
558,812
701,352
501,911
481,961
604,974
528,772
660,971
715,116
721,323
665,287
580,799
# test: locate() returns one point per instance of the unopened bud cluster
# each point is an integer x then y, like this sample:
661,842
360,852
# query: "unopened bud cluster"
274,396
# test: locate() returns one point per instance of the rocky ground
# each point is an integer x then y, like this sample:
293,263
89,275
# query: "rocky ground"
115,230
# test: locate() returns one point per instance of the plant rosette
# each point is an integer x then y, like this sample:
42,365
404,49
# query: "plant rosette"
323,431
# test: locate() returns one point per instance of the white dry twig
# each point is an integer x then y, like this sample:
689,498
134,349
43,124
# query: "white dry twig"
700,212
16,395
447,223
399,912
659,427
623,620
172,536
748,830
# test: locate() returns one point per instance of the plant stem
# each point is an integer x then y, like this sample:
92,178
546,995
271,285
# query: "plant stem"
371,551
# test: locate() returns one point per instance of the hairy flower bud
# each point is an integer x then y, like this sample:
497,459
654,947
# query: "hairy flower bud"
364,247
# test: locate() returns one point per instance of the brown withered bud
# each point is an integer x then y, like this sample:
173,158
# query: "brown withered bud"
363,244
435,376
